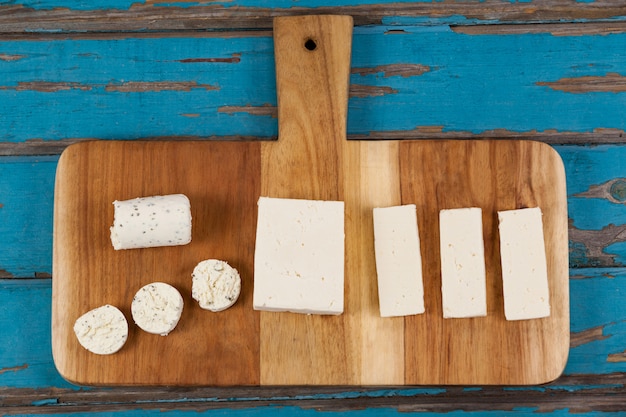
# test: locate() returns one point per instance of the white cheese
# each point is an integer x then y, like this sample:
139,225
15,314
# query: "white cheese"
103,330
398,261
145,222
215,285
463,278
299,256
524,267
157,307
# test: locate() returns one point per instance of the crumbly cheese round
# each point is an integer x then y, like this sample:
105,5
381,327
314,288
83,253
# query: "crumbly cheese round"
215,285
103,330
157,307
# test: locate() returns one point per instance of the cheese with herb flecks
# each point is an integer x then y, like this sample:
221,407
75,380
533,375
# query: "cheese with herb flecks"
145,222
299,256
463,275
103,330
215,285
157,307
398,261
524,266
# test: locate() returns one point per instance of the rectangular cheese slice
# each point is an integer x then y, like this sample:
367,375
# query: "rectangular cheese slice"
299,256
463,278
524,267
398,261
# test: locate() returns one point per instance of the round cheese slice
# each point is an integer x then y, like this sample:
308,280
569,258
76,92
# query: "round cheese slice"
157,307
215,285
103,330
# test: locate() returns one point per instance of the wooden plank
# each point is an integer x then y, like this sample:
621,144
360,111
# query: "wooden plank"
593,242
494,176
374,182
585,402
222,182
307,163
181,96
597,327
127,15
26,201
594,379
208,87
595,187
25,355
28,375
28,250
592,384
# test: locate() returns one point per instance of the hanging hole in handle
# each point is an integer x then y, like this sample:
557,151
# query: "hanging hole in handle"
310,44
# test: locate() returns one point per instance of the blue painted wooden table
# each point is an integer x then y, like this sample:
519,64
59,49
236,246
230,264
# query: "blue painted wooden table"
553,71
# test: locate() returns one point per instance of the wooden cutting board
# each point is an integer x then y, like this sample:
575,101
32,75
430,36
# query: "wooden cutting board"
312,160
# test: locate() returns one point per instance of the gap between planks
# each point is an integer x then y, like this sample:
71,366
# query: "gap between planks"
150,17
577,393
599,136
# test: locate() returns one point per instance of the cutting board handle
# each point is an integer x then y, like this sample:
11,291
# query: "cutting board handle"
312,78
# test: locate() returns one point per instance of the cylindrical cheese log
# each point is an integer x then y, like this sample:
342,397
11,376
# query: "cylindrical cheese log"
215,285
163,220
157,307
103,330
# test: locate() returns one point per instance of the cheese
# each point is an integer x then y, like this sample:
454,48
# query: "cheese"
215,285
146,222
157,307
398,261
524,267
299,256
463,278
103,330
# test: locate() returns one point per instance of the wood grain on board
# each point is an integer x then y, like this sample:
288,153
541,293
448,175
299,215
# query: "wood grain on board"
313,160
492,175
221,180
312,69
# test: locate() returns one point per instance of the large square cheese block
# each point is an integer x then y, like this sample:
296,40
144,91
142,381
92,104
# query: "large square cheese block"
299,256
524,267
398,261
463,277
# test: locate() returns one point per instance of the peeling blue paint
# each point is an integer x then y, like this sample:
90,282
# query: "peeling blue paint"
586,313
498,76
525,388
409,392
97,112
281,4
278,411
29,182
45,401
502,92
619,249
607,285
443,22
578,256
493,87
26,200
73,4
595,301
570,388
596,165
25,316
